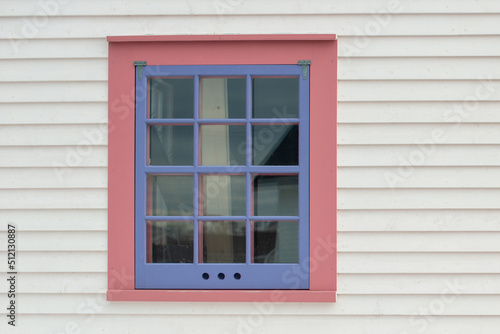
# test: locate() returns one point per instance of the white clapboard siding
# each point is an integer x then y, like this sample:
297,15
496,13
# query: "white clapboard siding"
55,113
59,283
27,48
422,177
399,155
60,241
261,320
345,25
33,199
64,177
457,304
238,7
418,112
419,242
408,68
418,220
54,70
54,156
57,220
61,262
88,91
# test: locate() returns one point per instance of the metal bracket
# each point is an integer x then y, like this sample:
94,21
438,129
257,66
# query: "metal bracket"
304,64
140,65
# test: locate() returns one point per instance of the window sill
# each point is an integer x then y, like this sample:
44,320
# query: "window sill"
275,296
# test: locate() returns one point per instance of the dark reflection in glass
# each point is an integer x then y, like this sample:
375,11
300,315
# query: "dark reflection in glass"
275,97
276,242
223,145
171,98
223,98
223,195
170,195
171,242
275,144
170,145
276,195
224,242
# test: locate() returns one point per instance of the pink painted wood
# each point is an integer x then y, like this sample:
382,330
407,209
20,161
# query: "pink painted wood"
220,50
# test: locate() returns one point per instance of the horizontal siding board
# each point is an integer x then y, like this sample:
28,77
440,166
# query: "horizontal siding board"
458,305
419,242
423,90
40,178
261,7
53,92
271,323
429,135
61,262
409,68
57,220
84,135
419,46
54,156
422,177
60,241
343,25
418,220
418,198
27,48
53,199
54,70
399,155
56,283
418,112
55,113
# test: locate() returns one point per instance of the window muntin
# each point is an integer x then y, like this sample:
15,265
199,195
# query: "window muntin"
245,176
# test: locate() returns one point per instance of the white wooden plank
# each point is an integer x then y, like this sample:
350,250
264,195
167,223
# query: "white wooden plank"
32,199
60,241
27,48
418,263
422,90
417,112
416,283
35,178
456,304
422,177
262,321
399,155
255,7
57,220
429,135
418,198
343,25
86,136
411,68
418,220
21,70
419,242
419,46
55,113
53,92
59,283
55,156
61,262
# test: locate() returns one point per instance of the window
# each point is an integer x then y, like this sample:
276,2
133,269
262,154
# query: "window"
222,167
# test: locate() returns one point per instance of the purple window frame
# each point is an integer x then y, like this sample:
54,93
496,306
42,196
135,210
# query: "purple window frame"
189,275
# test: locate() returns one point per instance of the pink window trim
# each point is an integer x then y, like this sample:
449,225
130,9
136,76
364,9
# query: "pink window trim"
223,50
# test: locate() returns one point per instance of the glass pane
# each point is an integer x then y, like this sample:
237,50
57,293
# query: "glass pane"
276,195
171,98
275,97
170,145
223,145
223,195
275,144
170,195
276,242
170,242
223,98
224,242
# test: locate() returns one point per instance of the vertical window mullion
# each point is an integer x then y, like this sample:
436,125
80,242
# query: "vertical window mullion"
196,192
249,191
